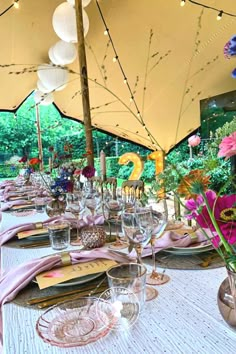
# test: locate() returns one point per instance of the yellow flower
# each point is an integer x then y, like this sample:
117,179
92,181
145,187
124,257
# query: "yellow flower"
193,184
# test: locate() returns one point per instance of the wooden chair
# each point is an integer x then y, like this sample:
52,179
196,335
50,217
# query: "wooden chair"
109,184
132,190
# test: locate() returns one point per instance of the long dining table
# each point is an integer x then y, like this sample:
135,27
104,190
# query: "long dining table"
184,318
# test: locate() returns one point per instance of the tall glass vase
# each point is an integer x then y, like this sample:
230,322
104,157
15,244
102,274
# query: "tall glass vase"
226,299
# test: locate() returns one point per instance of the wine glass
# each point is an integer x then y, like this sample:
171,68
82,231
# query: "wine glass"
137,225
160,222
112,210
160,217
75,205
92,199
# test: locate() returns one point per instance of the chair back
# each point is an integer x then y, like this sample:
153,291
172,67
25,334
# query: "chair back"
132,190
109,184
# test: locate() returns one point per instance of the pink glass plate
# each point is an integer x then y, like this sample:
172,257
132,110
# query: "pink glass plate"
76,322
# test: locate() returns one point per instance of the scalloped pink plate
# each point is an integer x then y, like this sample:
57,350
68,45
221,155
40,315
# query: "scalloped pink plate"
76,322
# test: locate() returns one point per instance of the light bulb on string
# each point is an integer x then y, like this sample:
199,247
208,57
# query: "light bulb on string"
131,99
182,3
16,4
219,16
115,58
106,32
125,80
138,114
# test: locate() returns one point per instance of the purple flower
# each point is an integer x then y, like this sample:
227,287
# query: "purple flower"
193,205
88,171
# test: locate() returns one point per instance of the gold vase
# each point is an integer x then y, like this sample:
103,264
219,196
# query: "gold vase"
226,299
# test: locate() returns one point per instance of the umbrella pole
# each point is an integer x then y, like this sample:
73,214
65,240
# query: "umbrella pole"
40,148
84,82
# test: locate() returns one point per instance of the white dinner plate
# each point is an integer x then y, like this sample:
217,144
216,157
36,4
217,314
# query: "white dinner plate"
191,250
80,280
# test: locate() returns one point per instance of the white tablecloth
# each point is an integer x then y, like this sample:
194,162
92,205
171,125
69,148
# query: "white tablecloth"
183,319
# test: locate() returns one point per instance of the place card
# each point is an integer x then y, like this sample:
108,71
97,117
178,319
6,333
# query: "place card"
22,206
18,197
24,234
62,274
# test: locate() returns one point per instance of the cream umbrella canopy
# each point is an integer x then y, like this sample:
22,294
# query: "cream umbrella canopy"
183,64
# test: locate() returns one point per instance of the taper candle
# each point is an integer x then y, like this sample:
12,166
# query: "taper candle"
103,164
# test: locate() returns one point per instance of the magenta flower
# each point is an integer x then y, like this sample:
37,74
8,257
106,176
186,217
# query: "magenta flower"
228,146
224,210
88,171
193,205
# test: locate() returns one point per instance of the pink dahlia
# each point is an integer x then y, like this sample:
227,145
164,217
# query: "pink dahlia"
228,146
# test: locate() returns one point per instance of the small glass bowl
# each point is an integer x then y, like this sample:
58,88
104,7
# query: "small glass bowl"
76,322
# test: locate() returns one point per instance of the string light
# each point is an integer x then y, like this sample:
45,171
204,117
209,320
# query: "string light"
220,12
115,58
182,3
16,4
106,32
219,16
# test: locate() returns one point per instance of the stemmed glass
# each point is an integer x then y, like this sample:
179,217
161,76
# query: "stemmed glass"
160,222
137,225
76,206
92,198
112,210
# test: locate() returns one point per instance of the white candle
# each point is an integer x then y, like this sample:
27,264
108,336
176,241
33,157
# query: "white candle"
50,164
103,163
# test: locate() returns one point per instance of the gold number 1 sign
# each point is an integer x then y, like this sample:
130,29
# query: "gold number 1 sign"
158,157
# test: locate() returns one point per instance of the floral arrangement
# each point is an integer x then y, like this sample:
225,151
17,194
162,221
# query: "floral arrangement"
214,213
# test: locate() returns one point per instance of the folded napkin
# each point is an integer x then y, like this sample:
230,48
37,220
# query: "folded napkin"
86,220
6,183
16,279
174,239
9,205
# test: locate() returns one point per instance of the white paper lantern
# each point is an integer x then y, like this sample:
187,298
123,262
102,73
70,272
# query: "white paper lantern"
53,77
84,2
42,98
41,87
64,22
64,52
52,56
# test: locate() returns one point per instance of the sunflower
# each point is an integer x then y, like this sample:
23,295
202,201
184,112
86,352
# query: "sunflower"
193,184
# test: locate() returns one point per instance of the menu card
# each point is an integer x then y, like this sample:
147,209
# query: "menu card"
59,275
24,234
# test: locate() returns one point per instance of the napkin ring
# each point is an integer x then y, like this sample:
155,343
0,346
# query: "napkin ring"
193,237
65,259
38,225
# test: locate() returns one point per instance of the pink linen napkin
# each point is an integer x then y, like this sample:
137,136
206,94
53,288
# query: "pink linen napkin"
9,205
16,279
6,183
86,220
173,239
